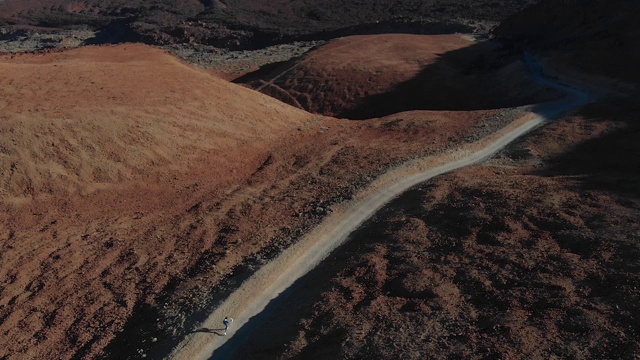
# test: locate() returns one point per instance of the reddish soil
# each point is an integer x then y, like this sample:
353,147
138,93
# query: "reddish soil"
101,152
533,255
138,184
351,78
140,190
337,76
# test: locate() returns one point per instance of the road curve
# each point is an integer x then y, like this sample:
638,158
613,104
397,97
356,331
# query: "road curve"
279,274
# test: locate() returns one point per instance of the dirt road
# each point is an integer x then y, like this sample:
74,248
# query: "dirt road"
275,277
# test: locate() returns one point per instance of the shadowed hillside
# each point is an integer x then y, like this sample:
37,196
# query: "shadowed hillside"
139,187
533,254
597,37
138,191
368,76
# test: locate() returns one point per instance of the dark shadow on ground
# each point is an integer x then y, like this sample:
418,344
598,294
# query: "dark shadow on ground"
219,332
143,325
602,164
264,336
486,75
265,72
261,337
115,32
611,161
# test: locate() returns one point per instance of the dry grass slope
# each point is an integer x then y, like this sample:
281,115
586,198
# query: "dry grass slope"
99,145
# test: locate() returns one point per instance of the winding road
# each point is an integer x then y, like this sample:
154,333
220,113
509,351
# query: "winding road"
275,277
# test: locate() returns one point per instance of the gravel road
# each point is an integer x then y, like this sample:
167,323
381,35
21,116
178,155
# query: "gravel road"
275,277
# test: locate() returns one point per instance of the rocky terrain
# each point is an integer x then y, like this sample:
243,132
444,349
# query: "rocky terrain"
120,208
351,78
533,255
233,37
140,190
243,24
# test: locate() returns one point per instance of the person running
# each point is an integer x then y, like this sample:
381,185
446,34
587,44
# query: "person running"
227,320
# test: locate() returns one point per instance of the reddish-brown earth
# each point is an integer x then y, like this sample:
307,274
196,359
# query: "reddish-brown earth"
532,255
101,148
136,184
138,191
351,78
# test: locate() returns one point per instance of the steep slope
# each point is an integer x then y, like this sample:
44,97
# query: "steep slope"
101,103
360,77
102,147
140,190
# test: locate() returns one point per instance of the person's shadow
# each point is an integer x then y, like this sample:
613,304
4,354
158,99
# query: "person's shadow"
219,332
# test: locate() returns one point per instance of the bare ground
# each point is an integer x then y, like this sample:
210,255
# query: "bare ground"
533,255
132,194
141,188
361,77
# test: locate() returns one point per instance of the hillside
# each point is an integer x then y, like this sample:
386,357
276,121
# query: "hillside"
140,191
591,36
367,76
100,151
99,103
533,254
141,188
